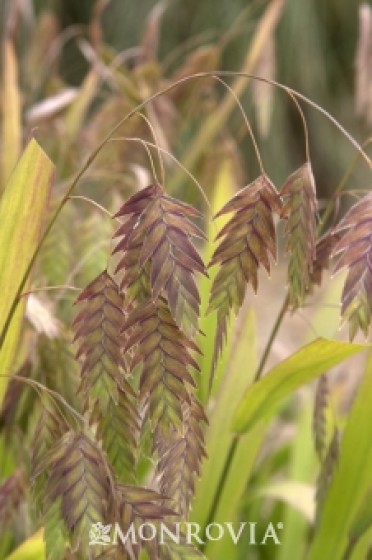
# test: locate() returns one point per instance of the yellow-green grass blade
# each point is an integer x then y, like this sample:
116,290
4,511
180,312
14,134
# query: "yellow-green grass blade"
234,488
223,190
32,549
352,478
219,437
22,212
301,468
296,371
11,114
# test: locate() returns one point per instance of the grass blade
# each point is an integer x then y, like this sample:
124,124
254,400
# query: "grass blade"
32,549
219,435
22,211
12,135
351,480
305,365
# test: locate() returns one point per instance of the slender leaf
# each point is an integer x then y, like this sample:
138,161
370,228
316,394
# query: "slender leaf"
223,190
305,365
32,549
12,132
219,435
301,473
22,210
351,480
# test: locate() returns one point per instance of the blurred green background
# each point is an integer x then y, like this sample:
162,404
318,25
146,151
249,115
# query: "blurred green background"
313,49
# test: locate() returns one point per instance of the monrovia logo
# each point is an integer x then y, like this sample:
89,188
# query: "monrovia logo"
99,534
189,533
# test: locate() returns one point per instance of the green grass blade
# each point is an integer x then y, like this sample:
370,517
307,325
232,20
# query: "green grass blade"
301,468
305,365
11,102
352,478
224,188
32,549
362,547
233,489
219,435
22,211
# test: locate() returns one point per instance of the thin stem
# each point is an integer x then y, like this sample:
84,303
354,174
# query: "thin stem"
139,107
304,124
245,118
234,443
154,173
229,459
50,288
92,202
342,183
271,338
39,386
157,145
169,154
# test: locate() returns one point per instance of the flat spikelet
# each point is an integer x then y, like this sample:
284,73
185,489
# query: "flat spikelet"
181,454
323,252
97,330
170,550
164,351
300,210
246,243
12,400
140,504
50,427
78,492
355,253
326,473
118,429
137,506
12,494
159,255
319,416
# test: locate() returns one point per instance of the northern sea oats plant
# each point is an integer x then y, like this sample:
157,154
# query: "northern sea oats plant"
135,331
104,405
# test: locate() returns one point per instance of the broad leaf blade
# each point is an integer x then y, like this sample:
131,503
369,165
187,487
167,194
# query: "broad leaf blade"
288,376
22,211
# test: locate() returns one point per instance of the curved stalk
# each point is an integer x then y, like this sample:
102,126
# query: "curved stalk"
139,107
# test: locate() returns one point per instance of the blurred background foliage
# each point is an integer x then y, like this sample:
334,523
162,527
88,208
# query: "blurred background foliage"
312,48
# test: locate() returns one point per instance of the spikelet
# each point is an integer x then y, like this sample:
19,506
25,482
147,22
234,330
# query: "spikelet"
319,416
159,256
300,210
138,505
78,492
164,351
323,252
97,329
108,395
170,550
118,429
355,253
326,473
246,242
13,398
56,535
12,494
50,427
181,454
